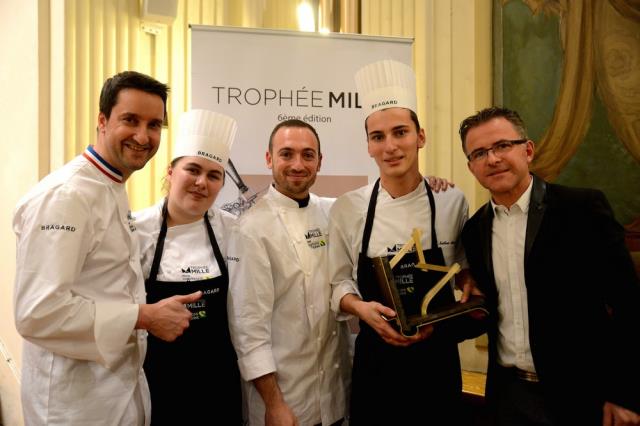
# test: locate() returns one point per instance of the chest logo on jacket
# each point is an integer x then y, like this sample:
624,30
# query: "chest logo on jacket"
315,239
131,222
392,250
191,269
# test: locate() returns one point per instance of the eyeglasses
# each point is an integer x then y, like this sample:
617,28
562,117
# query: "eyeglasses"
499,149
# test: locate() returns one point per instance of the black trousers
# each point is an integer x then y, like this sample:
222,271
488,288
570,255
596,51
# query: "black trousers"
519,402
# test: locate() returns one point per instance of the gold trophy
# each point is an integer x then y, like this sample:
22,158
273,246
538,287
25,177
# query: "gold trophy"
430,299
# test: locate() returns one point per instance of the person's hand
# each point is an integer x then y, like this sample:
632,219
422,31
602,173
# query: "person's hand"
372,313
438,184
615,415
466,284
279,415
168,318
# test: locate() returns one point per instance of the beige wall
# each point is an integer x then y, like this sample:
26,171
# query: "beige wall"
24,123
54,55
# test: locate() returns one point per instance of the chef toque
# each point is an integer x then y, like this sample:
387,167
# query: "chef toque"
205,134
386,84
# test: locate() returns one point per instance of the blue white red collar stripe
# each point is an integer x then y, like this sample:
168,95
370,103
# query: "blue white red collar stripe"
95,159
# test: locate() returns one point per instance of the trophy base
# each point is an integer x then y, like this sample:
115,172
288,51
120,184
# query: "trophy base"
410,325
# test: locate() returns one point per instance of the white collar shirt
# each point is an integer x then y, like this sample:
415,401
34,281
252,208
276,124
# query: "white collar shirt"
508,239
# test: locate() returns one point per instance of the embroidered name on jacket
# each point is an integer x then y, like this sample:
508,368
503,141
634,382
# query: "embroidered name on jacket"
315,239
58,227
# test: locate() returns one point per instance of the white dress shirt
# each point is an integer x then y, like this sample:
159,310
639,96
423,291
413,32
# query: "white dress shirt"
508,239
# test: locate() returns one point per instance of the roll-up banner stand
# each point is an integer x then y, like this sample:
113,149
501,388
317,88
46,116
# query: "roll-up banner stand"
262,77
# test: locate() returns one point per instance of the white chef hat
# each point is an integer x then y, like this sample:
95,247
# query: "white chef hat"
386,84
205,134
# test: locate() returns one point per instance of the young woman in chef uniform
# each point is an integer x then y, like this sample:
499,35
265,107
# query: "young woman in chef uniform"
183,238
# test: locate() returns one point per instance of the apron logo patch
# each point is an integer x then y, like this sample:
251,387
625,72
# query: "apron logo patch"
198,309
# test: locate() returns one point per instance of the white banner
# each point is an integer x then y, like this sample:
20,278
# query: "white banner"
262,77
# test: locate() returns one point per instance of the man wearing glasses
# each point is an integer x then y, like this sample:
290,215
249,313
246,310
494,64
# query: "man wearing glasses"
552,263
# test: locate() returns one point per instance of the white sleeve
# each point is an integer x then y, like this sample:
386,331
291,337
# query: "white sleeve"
460,255
54,237
250,304
342,262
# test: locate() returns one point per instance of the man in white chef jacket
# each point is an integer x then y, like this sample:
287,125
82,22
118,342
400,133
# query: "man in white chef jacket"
292,353
79,290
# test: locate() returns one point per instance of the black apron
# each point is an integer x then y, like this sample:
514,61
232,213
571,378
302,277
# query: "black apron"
419,384
195,379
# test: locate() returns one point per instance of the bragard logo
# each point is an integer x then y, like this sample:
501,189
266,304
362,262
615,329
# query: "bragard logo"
58,227
212,156
384,103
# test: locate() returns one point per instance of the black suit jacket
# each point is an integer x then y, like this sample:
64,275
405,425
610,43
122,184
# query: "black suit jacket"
583,300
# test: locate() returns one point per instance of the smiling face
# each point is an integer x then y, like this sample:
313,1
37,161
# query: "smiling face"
131,134
194,184
393,142
506,175
294,160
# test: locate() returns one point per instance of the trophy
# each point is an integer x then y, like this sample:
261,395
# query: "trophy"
428,300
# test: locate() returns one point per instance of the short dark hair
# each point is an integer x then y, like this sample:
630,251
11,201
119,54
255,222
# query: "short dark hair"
488,114
130,80
293,123
412,114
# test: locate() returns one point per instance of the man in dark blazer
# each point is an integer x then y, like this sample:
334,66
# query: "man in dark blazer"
560,284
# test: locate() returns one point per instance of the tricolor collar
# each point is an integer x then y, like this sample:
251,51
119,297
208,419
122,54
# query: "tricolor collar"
100,163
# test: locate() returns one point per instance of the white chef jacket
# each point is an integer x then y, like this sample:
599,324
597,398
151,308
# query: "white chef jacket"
187,253
77,289
279,312
395,219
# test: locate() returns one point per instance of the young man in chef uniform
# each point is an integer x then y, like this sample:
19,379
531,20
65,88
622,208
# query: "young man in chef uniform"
397,379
